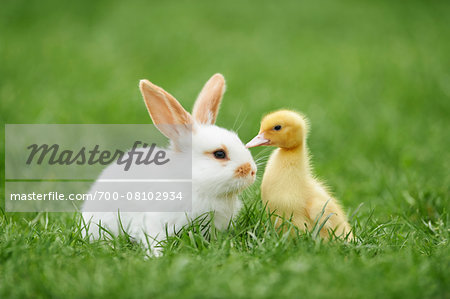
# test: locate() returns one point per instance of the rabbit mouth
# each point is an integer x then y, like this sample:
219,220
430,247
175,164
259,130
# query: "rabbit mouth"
234,189
243,184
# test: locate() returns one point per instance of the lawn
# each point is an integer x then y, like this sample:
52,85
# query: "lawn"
373,77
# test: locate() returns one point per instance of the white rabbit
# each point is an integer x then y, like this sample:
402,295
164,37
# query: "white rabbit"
221,167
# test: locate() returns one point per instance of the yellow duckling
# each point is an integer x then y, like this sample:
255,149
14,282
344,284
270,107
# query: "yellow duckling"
288,187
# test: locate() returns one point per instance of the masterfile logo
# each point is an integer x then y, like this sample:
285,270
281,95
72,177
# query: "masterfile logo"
52,155
113,167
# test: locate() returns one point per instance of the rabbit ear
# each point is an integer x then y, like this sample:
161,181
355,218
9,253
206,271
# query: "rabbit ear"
167,114
207,105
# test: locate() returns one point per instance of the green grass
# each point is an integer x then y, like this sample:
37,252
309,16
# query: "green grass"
372,76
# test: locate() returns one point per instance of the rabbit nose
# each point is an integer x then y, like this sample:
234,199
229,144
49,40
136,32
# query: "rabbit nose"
243,170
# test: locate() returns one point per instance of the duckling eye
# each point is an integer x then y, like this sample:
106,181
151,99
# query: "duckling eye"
277,128
220,154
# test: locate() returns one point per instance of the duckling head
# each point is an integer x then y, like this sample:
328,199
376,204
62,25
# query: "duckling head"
284,128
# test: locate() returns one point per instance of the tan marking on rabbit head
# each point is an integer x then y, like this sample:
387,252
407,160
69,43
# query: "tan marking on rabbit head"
244,170
219,154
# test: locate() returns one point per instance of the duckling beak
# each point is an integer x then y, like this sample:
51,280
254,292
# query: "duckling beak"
257,141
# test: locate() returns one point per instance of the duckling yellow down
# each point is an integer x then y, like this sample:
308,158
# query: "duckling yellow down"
288,187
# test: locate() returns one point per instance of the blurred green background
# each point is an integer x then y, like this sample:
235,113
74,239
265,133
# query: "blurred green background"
373,77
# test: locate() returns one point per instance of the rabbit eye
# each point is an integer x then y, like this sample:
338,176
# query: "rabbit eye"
220,154
277,128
